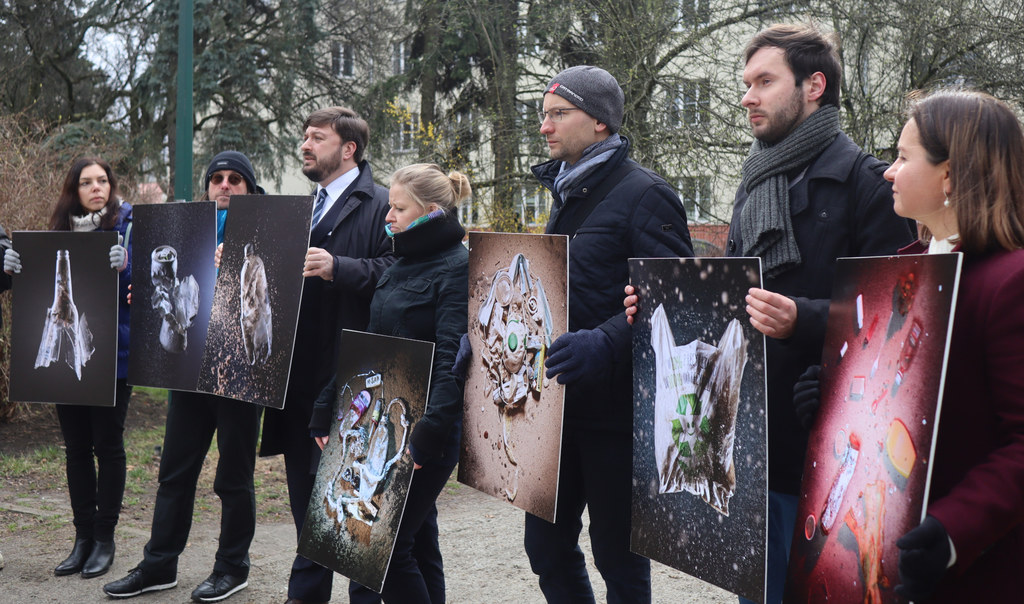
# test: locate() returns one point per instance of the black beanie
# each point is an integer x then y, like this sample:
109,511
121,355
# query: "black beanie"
233,160
593,90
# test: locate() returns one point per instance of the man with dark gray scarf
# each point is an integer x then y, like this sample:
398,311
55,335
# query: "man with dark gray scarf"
809,195
612,209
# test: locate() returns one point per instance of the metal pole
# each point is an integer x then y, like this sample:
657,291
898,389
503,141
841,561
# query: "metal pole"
183,118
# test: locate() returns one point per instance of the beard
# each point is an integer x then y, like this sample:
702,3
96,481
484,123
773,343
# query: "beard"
323,167
784,120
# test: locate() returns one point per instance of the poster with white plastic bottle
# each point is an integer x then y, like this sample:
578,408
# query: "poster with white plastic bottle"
64,310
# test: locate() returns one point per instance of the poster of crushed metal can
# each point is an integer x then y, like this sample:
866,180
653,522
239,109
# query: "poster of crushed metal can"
867,471
64,319
256,299
364,474
172,292
512,422
699,424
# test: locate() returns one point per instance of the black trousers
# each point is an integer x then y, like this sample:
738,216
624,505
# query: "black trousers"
416,572
192,419
95,462
596,473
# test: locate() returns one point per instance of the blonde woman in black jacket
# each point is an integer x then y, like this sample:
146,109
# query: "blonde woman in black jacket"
423,296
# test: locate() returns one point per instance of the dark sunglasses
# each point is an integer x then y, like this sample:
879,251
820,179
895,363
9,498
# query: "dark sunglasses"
234,178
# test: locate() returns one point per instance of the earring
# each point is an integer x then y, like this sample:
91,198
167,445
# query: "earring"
946,203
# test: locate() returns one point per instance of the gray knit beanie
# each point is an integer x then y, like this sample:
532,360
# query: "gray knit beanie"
593,90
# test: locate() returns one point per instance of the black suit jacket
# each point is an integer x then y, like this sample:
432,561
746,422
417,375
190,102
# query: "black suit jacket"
353,231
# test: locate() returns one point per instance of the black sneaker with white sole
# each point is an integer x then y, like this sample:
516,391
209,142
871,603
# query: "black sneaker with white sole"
138,582
218,586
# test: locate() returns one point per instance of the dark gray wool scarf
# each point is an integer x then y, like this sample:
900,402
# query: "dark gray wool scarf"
765,223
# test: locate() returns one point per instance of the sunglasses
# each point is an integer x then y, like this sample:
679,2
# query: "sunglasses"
234,178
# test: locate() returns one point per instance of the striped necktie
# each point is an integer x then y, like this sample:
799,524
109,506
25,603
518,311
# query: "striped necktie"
318,209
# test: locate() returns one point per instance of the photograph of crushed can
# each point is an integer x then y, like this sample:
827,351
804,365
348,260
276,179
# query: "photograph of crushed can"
178,300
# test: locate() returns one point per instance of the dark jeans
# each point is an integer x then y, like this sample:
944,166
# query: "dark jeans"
94,437
192,419
416,572
781,523
596,473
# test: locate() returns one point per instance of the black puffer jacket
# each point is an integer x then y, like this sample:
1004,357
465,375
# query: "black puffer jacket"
639,217
423,296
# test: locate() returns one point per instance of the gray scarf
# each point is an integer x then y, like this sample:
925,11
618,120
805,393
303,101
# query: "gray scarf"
765,223
593,158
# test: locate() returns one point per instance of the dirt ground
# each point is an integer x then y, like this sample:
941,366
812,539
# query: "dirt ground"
481,539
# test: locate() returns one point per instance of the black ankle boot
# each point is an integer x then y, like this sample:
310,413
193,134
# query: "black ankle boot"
76,559
100,559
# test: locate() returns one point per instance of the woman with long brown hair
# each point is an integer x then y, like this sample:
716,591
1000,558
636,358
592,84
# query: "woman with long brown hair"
960,174
94,436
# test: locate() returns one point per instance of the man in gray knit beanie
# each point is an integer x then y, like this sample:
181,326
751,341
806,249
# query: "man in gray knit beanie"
619,210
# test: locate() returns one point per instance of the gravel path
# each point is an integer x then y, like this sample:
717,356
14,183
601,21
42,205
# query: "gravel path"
480,536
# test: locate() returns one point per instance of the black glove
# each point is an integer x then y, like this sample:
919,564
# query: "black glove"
577,354
807,396
462,358
924,557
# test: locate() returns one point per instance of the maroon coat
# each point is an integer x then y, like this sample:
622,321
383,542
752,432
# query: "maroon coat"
977,489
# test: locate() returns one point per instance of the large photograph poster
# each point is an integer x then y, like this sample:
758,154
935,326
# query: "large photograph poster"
173,278
867,471
512,421
256,299
700,475
364,474
64,319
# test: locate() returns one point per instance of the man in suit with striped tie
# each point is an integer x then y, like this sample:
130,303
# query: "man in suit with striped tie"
348,253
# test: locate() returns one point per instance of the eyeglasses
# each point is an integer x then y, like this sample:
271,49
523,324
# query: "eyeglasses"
234,178
556,115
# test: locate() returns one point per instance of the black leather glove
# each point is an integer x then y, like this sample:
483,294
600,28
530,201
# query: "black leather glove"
462,358
577,354
807,396
924,557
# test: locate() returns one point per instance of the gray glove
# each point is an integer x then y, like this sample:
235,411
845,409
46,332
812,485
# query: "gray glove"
118,255
12,262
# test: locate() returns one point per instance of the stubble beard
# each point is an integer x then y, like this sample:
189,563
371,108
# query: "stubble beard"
783,122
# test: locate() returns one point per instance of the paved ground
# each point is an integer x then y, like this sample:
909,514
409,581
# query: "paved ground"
480,536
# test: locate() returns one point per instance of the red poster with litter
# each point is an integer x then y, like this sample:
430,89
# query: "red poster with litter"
867,469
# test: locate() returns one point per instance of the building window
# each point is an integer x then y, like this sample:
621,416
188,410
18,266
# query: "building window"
695,12
534,208
400,57
405,138
695,100
688,104
342,61
695,191
469,213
